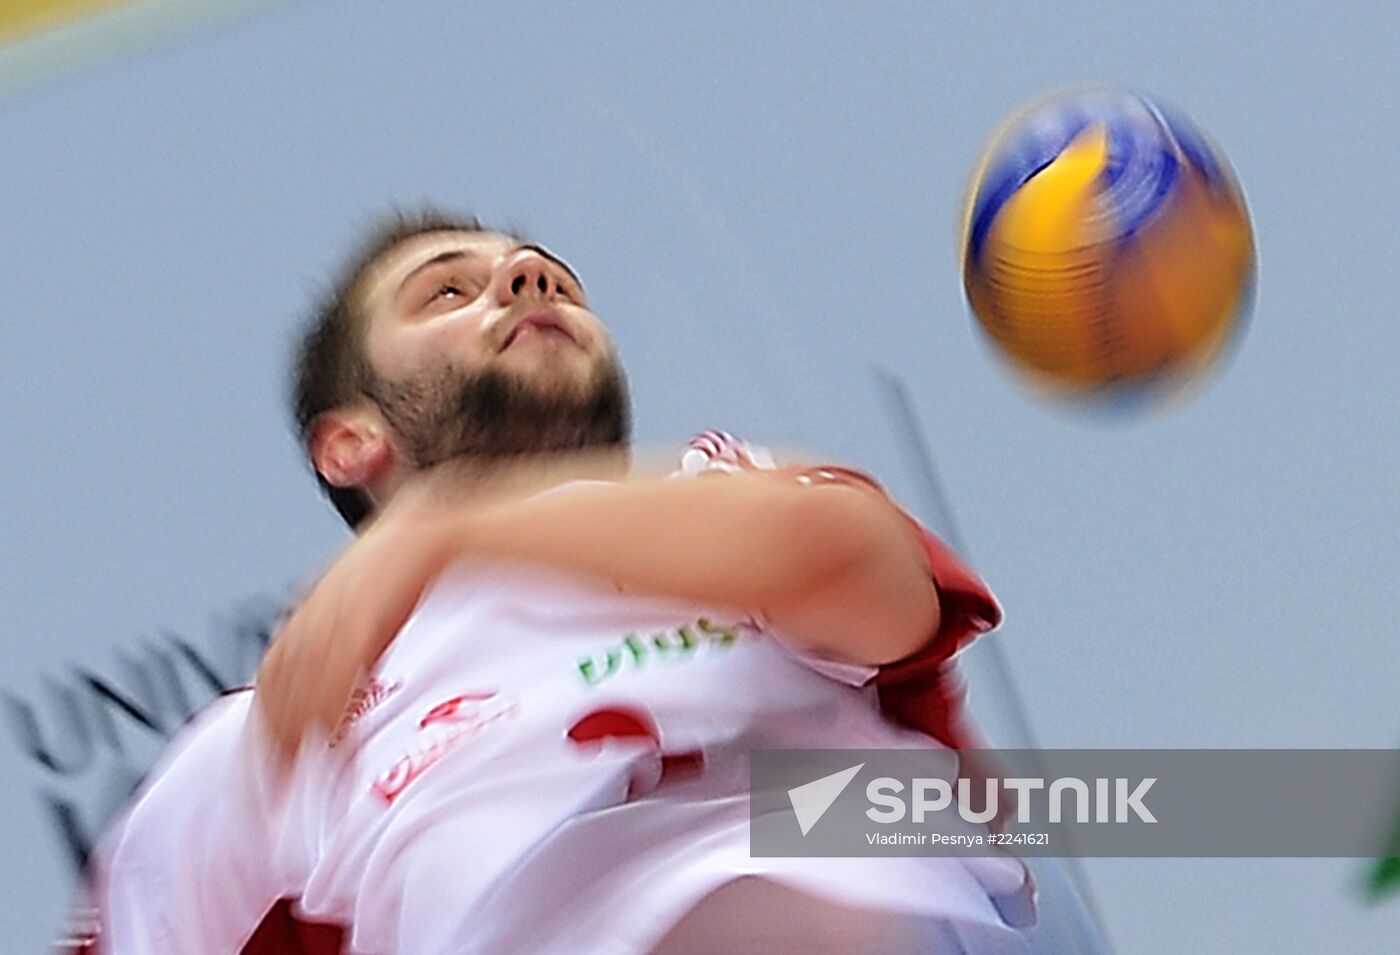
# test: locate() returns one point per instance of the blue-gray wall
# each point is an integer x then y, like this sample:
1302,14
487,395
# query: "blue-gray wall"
763,204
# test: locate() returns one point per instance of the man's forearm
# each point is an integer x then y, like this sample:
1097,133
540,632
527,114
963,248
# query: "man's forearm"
740,541
751,542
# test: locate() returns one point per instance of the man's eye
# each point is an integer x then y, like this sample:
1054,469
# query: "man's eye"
447,290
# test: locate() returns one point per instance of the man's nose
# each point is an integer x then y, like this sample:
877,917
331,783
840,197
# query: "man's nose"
524,274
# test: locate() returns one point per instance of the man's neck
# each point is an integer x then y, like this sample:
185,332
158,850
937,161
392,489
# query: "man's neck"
472,481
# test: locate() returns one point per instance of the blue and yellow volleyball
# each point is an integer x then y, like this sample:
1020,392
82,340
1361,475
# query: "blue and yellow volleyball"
1106,246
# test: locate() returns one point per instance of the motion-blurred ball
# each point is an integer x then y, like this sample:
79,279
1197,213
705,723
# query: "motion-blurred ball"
1106,246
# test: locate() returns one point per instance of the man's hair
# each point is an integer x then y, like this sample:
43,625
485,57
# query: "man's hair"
331,367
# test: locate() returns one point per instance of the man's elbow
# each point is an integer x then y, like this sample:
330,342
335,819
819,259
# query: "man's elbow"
872,585
901,628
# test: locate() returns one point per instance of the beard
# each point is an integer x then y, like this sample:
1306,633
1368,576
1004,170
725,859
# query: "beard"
492,415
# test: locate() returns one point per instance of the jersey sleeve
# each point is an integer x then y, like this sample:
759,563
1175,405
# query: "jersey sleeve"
924,691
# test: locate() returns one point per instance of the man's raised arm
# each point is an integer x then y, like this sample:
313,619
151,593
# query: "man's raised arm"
834,566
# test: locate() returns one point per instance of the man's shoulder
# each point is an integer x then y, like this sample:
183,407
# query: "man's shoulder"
180,789
208,735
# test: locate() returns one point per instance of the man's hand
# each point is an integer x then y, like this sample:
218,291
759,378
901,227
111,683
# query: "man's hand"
344,625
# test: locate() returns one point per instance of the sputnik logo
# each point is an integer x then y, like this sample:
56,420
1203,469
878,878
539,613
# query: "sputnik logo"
810,801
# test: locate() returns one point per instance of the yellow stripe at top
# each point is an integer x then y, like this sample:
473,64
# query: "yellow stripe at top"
1050,213
20,18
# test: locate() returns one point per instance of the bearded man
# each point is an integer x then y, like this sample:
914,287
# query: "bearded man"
515,715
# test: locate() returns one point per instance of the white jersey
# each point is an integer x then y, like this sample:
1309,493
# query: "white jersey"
541,763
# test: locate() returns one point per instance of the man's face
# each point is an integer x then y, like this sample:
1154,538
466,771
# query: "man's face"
481,345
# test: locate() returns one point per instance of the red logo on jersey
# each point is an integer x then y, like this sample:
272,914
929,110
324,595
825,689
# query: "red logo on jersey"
450,711
626,722
447,725
364,699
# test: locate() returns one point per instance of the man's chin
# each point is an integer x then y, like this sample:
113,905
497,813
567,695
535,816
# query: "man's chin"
552,379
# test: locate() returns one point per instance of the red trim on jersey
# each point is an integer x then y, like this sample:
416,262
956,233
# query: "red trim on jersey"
925,690
282,933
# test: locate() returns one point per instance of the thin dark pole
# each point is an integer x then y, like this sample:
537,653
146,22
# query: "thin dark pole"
918,460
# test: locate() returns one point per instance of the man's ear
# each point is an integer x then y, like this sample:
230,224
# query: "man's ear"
349,448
